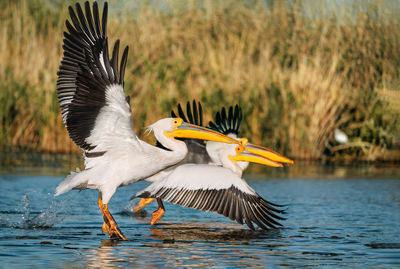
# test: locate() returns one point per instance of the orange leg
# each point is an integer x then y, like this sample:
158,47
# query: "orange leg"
106,223
158,213
109,225
142,203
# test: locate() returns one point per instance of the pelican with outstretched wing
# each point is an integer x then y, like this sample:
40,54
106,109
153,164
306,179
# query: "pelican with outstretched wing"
97,116
213,182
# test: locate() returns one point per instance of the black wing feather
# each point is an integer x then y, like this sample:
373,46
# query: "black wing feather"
197,152
195,113
124,60
114,61
189,113
232,203
83,77
227,123
90,20
97,18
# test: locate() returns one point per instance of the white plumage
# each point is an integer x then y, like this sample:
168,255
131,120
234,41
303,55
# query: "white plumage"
200,177
214,183
216,188
125,161
98,116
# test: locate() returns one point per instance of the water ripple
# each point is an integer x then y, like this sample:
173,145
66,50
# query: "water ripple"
330,223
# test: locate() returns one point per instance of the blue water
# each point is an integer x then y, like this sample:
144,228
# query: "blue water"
331,222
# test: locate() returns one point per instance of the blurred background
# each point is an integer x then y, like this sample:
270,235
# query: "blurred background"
317,80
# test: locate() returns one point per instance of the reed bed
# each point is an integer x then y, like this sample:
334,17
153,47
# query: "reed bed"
297,78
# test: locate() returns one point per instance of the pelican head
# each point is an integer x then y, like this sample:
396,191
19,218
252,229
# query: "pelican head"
237,158
247,153
177,128
243,155
267,153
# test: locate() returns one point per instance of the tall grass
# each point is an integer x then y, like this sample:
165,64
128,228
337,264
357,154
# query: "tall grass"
296,78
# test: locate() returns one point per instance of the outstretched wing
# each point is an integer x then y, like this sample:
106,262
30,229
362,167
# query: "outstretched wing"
197,152
216,189
194,113
227,124
90,84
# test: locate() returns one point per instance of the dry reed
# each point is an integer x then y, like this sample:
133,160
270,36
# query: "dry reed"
296,78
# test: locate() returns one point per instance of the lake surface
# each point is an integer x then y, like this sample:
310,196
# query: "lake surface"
336,217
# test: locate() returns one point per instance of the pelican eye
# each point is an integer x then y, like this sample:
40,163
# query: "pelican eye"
243,141
175,122
239,149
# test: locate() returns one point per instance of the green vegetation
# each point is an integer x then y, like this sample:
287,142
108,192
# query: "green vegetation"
297,78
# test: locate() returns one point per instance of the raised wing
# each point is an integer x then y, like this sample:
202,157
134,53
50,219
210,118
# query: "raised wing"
216,189
197,152
227,123
90,85
194,114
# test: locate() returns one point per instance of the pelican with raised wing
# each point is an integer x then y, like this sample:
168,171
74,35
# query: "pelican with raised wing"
97,116
209,178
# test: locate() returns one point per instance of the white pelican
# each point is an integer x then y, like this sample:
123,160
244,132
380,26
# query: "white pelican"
227,123
97,116
218,189
211,169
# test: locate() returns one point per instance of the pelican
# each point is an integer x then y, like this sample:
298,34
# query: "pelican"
97,116
211,179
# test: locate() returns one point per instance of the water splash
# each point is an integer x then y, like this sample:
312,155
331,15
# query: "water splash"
47,218
129,211
25,200
24,218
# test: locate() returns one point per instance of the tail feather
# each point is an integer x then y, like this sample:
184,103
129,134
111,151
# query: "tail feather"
72,180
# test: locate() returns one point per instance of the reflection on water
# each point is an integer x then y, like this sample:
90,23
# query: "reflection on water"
61,164
38,163
331,223
103,257
183,245
188,232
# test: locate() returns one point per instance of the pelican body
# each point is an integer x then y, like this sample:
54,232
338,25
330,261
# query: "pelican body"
210,177
209,187
98,116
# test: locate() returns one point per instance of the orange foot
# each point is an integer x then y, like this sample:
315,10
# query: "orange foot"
106,227
142,203
157,215
109,224
115,232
